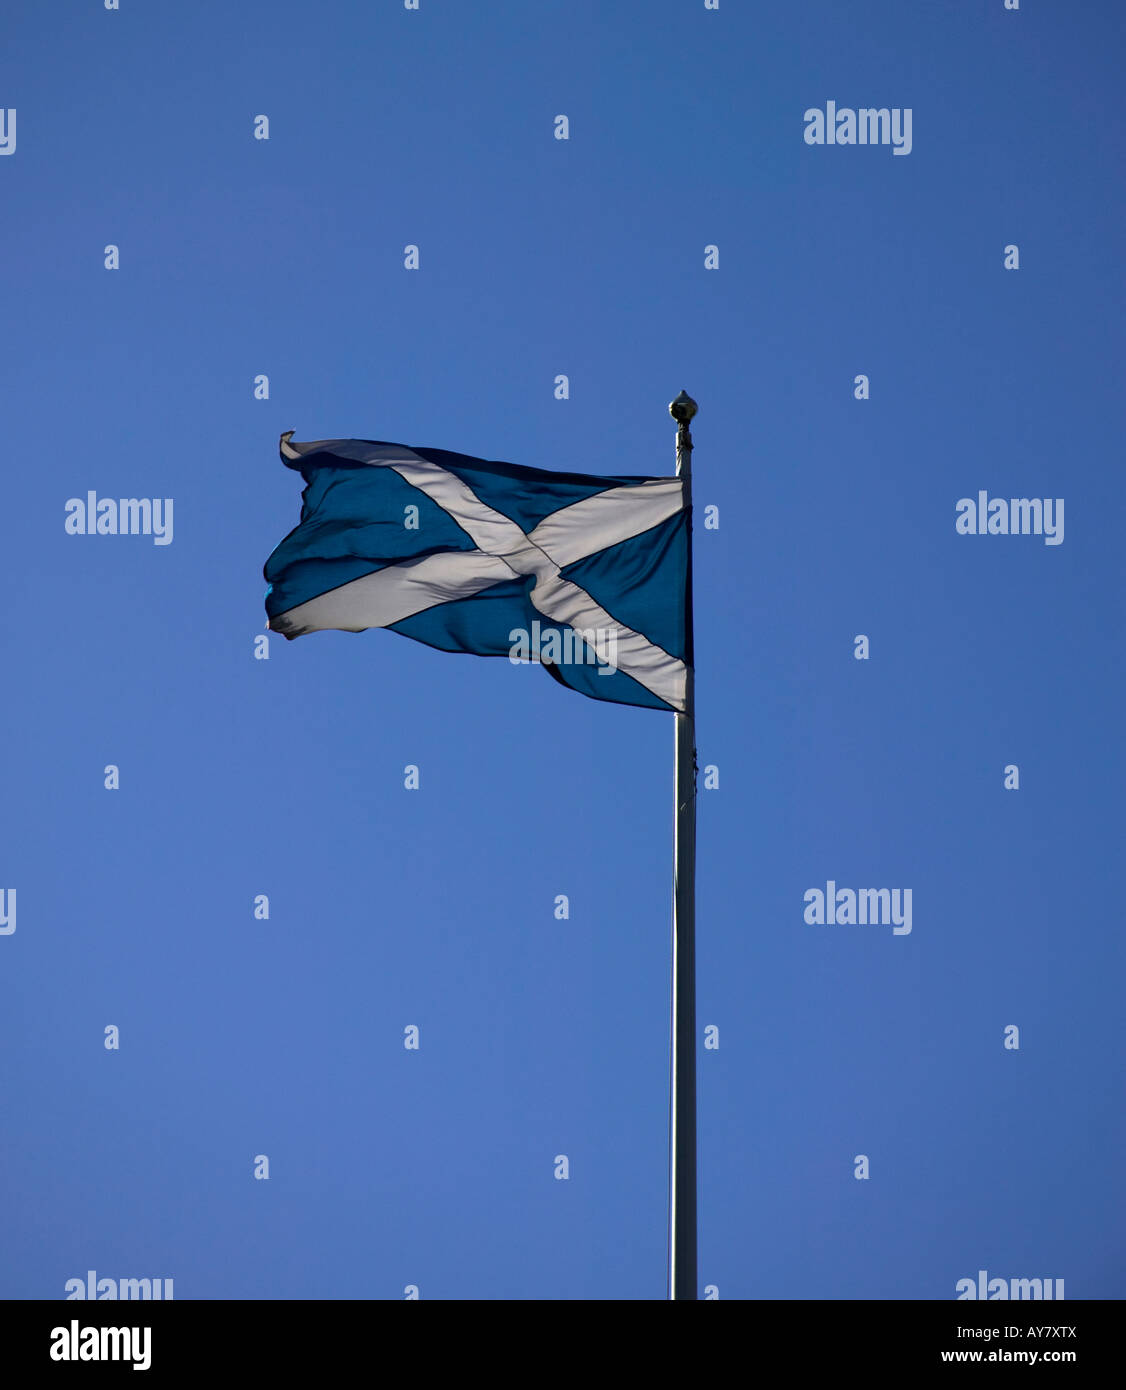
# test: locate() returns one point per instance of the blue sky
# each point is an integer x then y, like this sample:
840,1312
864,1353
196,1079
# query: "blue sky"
238,1037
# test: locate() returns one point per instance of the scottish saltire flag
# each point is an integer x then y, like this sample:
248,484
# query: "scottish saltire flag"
586,575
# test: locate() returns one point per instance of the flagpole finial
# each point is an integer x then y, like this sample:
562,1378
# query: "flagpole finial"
683,408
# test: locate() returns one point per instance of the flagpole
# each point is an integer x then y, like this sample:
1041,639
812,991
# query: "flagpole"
682,1085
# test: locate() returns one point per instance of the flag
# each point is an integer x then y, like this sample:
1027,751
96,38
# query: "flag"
586,575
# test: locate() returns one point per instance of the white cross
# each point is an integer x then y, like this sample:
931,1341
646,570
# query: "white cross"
505,551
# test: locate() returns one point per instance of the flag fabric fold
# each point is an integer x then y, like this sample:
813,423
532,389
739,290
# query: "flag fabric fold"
586,575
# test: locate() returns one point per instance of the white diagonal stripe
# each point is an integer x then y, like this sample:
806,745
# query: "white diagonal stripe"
598,522
491,531
392,594
647,663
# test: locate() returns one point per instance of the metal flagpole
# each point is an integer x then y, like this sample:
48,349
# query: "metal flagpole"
682,1084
